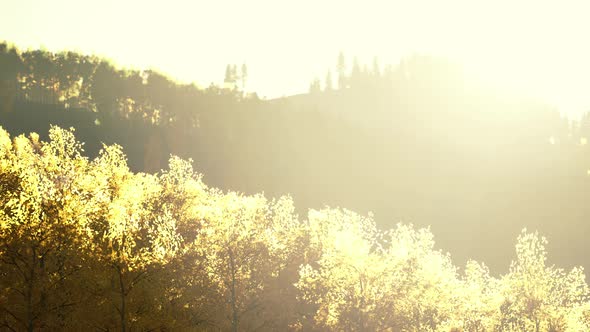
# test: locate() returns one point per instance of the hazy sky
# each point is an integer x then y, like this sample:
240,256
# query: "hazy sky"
540,47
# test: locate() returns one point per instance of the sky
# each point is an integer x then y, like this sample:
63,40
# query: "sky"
538,48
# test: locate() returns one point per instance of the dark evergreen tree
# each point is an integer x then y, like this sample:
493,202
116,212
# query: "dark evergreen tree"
341,69
328,83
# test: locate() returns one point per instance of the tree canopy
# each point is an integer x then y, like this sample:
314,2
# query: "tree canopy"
89,244
414,141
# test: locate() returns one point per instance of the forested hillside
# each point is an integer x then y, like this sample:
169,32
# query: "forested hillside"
87,244
414,142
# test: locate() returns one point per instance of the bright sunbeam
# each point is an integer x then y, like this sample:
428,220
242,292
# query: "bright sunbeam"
536,48
331,165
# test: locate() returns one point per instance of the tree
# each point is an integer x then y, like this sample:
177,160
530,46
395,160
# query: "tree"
328,83
538,297
344,244
10,66
376,68
363,279
356,74
480,301
48,202
232,77
244,76
341,69
91,245
228,75
244,243
105,88
315,86
191,292
133,241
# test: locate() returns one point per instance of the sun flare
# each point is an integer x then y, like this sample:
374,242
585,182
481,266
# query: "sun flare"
536,48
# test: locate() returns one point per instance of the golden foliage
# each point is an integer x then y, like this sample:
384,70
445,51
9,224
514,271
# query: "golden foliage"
90,244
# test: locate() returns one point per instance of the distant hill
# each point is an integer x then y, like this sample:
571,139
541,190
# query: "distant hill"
415,142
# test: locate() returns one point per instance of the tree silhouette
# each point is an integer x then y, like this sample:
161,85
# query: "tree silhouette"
315,86
328,83
341,69
356,74
244,76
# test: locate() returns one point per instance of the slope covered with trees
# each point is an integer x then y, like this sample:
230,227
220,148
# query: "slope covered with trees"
89,244
416,142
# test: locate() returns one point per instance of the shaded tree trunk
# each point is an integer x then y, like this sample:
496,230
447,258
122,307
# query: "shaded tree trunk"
234,307
29,293
123,309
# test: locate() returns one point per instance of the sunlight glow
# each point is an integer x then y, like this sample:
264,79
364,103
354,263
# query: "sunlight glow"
534,47
351,244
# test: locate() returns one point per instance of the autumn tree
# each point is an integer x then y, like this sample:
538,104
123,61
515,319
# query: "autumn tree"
368,280
48,202
538,297
133,240
92,245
